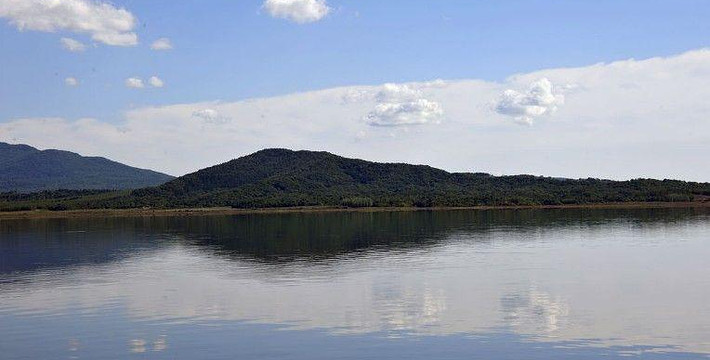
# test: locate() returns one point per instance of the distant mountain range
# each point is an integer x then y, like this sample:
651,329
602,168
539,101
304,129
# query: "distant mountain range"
26,169
286,178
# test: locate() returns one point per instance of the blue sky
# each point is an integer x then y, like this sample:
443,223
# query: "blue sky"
231,50
614,89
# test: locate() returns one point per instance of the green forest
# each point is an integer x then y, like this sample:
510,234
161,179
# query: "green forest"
285,178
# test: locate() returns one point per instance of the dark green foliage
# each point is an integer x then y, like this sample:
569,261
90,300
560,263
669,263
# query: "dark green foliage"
357,202
285,178
55,199
25,169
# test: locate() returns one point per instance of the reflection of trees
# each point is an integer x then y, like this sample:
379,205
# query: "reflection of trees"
41,243
35,244
319,236
316,236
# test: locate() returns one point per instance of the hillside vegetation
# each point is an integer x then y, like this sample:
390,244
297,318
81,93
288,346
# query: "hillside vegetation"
26,169
284,178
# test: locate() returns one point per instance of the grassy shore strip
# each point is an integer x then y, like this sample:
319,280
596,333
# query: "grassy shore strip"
46,214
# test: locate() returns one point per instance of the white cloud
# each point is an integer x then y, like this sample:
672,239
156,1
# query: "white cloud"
71,81
298,11
399,105
155,81
104,22
134,83
419,111
72,45
162,44
626,119
538,100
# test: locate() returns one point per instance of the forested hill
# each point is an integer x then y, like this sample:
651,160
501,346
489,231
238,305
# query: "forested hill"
279,178
26,169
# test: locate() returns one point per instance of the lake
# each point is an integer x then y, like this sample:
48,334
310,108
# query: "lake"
486,284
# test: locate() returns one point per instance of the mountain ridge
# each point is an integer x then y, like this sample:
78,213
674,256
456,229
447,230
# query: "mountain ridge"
279,177
274,178
24,168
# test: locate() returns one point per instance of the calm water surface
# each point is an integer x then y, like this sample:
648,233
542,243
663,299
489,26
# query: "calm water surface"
526,284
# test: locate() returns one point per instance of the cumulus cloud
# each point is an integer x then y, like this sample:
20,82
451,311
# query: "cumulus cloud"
134,83
71,81
161,44
401,105
419,111
155,81
298,11
104,22
72,45
524,107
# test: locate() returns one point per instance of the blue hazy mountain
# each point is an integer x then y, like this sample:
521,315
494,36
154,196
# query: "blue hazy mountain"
26,169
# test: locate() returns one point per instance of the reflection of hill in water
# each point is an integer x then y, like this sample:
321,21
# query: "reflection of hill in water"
316,236
625,278
319,236
27,245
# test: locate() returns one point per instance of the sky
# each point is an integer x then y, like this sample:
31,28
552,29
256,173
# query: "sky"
609,89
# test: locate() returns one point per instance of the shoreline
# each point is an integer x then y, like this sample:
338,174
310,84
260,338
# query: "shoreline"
94,213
